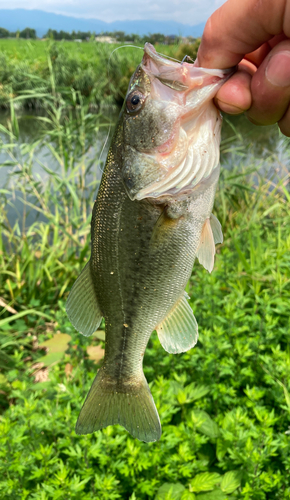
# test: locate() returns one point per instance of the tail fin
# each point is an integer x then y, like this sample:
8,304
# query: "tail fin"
129,404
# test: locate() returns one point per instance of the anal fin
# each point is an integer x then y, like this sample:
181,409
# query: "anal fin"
82,305
178,332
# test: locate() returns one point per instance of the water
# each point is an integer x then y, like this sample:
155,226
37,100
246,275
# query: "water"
32,129
37,140
243,144
263,149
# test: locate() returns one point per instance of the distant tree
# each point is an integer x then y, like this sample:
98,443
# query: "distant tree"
82,35
4,33
191,39
155,38
136,38
64,35
49,34
57,35
119,35
171,39
28,33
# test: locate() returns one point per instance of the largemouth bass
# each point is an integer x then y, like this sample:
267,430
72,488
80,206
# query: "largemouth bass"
152,217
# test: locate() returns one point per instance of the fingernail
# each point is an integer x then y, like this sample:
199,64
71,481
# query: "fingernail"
278,69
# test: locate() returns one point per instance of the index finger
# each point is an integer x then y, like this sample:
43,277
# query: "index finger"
239,27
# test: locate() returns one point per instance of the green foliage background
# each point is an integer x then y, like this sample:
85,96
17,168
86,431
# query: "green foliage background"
224,405
32,69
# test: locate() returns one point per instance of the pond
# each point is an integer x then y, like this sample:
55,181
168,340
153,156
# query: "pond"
243,144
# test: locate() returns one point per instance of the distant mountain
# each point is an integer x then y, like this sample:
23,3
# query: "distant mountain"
41,21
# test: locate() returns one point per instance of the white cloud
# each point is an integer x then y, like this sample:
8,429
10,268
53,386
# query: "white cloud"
186,11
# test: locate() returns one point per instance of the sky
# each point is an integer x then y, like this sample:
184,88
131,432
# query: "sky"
186,11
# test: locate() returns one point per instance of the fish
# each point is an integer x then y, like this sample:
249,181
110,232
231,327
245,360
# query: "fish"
151,219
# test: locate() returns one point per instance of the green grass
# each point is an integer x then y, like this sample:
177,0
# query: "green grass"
36,71
224,405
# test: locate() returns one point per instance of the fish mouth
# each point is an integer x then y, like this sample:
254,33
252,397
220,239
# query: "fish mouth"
188,85
178,75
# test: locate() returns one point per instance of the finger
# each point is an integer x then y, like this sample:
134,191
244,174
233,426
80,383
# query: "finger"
258,56
277,39
234,97
270,87
284,123
238,28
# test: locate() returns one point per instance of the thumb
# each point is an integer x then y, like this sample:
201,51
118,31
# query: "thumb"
239,27
270,87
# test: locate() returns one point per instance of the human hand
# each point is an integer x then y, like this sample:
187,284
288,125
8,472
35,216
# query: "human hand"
255,35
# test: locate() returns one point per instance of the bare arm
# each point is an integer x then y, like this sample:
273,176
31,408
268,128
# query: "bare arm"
255,35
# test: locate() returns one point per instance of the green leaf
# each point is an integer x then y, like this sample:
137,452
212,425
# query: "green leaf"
221,448
99,334
187,495
198,392
231,481
24,313
213,495
40,386
205,424
170,491
51,358
205,481
3,380
58,343
56,346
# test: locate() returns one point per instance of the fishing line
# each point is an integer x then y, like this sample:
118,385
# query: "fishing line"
168,57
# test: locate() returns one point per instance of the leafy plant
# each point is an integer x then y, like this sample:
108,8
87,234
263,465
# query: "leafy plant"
224,405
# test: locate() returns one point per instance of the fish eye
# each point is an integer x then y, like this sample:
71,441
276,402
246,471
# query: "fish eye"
135,101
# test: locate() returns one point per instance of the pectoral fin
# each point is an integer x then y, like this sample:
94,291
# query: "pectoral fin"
82,305
162,230
178,332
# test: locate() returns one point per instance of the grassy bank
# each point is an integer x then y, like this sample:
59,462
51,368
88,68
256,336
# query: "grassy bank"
224,405
34,72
